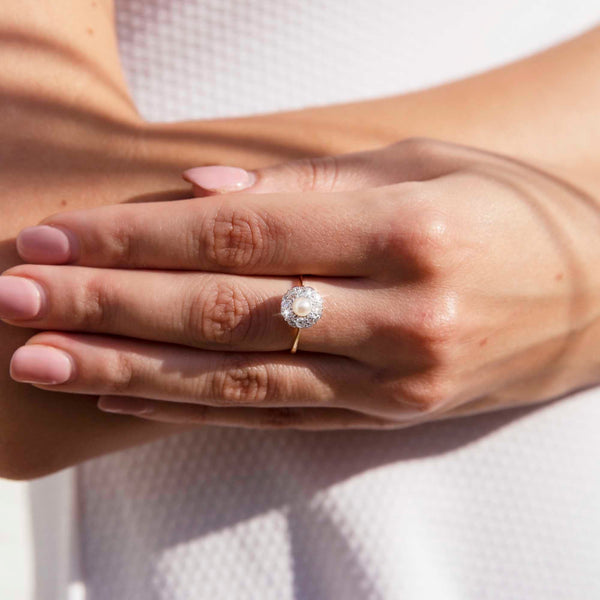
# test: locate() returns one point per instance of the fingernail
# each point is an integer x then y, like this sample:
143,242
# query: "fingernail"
220,179
20,298
41,364
124,405
46,245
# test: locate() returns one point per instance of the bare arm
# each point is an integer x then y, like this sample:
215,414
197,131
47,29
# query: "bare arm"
71,138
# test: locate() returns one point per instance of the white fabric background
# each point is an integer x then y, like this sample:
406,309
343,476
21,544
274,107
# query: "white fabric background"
494,507
217,58
16,553
501,507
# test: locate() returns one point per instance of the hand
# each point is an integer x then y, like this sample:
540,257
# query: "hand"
71,139
455,281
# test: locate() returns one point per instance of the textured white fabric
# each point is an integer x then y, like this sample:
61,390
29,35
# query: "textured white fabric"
16,565
499,507
217,58
54,521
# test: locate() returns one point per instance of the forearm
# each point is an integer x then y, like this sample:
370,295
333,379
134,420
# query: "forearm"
543,108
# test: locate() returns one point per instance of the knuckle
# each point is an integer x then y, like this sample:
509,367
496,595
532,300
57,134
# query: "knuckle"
313,174
430,241
435,326
239,239
97,307
116,244
220,314
244,384
423,241
120,374
426,393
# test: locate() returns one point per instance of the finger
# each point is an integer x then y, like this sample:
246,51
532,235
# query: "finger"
409,160
205,310
343,172
347,233
321,234
307,419
87,364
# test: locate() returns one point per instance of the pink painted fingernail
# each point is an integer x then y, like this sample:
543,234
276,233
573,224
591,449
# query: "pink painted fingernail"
20,298
44,244
220,179
124,405
41,364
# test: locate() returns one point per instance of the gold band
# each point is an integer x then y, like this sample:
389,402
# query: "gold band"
294,347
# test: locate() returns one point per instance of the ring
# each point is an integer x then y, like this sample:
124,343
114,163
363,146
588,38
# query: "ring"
301,307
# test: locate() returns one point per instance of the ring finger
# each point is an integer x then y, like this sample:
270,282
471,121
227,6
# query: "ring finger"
205,310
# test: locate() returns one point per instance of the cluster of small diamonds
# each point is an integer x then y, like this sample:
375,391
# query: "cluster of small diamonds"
316,303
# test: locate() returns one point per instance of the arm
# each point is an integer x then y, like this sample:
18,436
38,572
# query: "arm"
72,139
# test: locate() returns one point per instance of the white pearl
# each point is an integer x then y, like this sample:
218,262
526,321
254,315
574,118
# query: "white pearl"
301,307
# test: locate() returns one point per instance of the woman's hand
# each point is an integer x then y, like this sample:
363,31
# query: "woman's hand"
71,139
455,281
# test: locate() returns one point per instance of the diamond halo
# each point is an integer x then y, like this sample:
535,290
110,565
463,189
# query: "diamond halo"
287,306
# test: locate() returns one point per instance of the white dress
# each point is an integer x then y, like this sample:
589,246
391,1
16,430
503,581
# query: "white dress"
503,506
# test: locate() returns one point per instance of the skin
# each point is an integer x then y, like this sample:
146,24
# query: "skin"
430,312
72,139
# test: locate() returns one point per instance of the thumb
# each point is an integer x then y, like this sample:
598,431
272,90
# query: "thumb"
344,172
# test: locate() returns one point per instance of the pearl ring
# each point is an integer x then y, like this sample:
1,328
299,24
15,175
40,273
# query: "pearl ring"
301,307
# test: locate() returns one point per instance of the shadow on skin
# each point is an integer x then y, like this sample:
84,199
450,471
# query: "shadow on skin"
342,454
154,486
197,457
152,480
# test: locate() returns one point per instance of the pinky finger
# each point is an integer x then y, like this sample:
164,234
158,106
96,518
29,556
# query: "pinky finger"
309,419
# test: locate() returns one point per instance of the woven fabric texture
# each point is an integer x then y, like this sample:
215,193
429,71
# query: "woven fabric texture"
495,507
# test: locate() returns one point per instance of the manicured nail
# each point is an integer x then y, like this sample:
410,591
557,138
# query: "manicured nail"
44,244
125,405
41,364
220,179
20,298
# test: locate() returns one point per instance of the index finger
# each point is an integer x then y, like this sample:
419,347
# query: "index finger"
341,234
